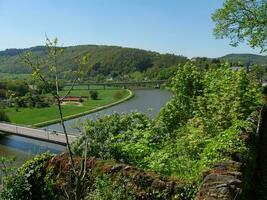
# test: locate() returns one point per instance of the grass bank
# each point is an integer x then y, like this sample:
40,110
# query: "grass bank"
49,115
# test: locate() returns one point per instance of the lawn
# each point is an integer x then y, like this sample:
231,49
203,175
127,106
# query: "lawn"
9,76
31,116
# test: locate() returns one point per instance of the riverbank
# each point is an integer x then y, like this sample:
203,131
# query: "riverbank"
139,100
46,123
49,115
147,101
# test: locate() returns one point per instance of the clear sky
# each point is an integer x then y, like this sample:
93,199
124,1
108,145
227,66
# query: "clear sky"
181,27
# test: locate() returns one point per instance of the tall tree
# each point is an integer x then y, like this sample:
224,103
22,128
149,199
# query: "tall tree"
242,20
48,71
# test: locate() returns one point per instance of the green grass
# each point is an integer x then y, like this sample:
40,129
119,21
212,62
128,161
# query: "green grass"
80,88
31,116
9,76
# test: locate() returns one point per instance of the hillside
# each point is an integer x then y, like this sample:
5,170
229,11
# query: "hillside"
114,62
246,58
110,61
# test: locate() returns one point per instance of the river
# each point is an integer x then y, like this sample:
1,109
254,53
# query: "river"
147,101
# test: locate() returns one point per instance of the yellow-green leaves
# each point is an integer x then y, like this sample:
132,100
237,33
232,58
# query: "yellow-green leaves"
242,20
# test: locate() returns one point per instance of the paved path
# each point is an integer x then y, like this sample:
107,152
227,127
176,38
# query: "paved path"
39,134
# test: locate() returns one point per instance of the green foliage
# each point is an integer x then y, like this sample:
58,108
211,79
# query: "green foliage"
186,85
20,94
41,88
94,95
199,126
18,88
16,188
105,61
242,20
227,96
3,115
106,131
225,144
106,189
6,167
29,182
247,59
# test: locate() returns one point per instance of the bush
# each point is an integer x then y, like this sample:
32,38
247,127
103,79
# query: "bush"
3,116
94,95
106,189
29,182
199,123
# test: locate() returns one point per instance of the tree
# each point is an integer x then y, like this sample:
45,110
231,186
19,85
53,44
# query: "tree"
94,95
242,20
50,80
258,72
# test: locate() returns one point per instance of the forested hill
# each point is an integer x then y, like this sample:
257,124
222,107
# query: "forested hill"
116,62
106,60
246,58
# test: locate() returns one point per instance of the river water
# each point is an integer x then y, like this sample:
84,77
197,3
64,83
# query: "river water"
147,101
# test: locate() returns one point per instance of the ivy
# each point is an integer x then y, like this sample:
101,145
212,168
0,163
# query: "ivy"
29,182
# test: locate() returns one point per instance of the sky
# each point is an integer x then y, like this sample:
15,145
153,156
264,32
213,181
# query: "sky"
182,27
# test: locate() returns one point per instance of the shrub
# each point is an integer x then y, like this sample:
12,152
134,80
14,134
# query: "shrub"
29,182
198,120
3,116
94,95
106,189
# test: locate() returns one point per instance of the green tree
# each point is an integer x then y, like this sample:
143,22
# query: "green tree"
94,95
186,86
51,82
242,20
258,72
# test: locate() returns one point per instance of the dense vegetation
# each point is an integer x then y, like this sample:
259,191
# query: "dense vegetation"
106,61
199,126
3,116
112,62
242,21
246,59
19,94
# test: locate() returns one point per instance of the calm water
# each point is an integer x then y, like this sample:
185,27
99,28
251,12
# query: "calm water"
148,101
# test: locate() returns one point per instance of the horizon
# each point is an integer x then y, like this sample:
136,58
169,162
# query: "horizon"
138,49
180,28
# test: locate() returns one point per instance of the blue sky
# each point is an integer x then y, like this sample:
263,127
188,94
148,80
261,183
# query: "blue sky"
181,27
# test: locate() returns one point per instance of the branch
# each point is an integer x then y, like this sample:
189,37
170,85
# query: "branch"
68,92
36,67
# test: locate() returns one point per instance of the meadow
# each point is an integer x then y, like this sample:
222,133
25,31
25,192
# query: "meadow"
32,116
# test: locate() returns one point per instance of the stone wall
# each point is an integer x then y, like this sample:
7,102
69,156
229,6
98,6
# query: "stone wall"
142,184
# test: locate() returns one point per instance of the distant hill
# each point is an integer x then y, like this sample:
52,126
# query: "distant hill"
116,62
246,59
106,60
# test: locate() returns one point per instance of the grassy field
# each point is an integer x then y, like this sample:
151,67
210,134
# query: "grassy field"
8,76
31,116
